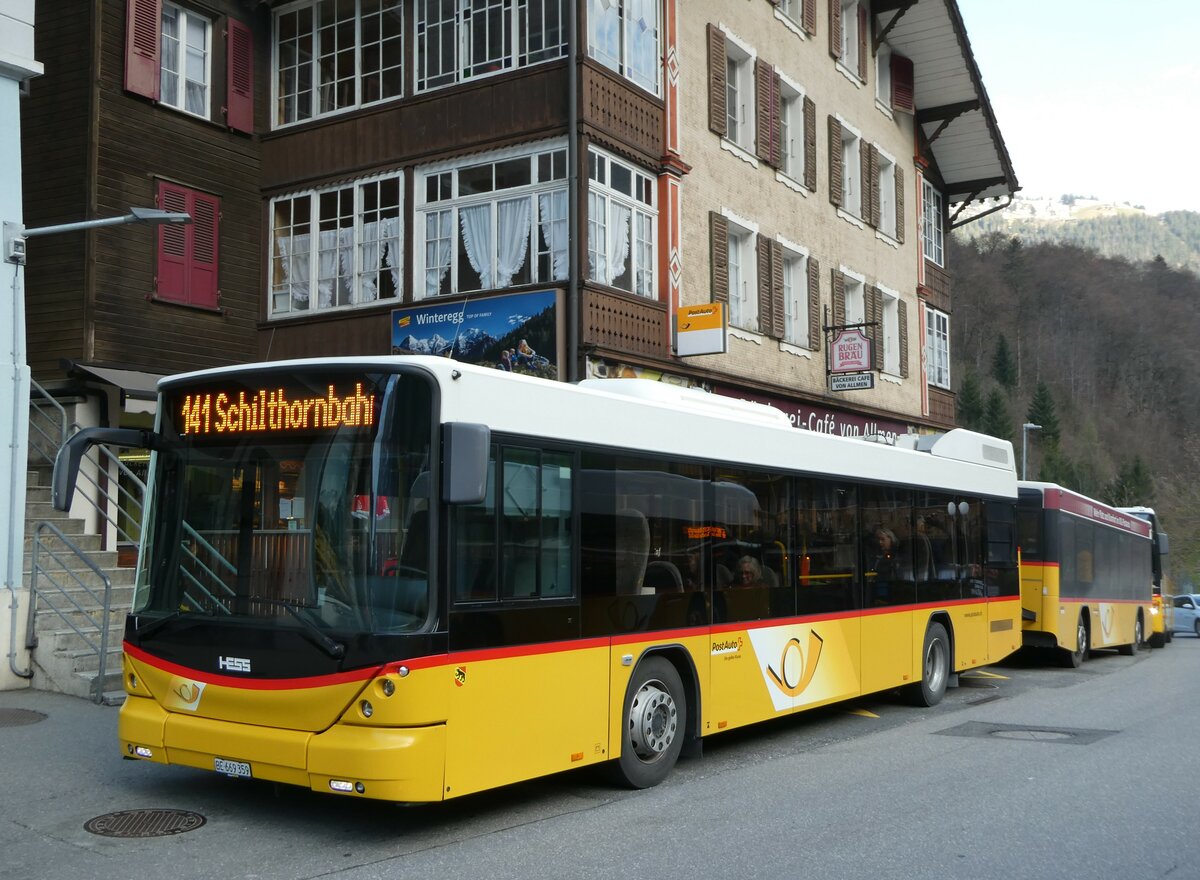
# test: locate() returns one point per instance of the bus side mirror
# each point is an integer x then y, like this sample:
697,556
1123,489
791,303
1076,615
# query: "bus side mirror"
465,450
66,463
1164,546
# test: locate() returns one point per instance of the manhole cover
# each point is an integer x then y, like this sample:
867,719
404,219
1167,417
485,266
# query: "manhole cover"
144,823
19,717
1036,735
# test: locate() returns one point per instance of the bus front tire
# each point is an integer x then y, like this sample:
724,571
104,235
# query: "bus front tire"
655,721
935,668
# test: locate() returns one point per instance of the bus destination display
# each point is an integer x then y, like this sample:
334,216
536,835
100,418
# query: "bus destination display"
276,409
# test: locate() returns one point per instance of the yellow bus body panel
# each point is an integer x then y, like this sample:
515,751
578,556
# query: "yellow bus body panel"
1109,623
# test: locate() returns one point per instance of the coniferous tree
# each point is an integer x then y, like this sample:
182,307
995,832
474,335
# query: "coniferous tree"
996,420
1131,486
970,403
1042,412
1004,369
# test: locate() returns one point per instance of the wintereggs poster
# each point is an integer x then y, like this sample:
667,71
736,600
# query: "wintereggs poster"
516,332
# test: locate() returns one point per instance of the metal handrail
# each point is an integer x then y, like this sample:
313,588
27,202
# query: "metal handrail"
60,592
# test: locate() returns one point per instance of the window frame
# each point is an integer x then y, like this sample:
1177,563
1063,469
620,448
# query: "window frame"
933,240
848,51
792,134
795,295
279,118
852,172
740,247
179,100
937,348
279,281
448,176
886,182
889,335
622,62
740,84
642,253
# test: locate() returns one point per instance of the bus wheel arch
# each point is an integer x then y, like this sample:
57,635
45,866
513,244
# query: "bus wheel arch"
936,664
1083,628
656,718
1139,633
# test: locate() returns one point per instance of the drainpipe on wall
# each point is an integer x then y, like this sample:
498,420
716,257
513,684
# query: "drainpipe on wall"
573,291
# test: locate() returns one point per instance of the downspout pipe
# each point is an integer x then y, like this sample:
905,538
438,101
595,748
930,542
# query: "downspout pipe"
574,373
12,565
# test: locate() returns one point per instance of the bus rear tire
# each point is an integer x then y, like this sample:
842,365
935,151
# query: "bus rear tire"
1074,659
654,724
935,668
1158,640
1131,649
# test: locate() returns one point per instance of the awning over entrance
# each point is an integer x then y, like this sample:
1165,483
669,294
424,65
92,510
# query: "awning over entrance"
134,383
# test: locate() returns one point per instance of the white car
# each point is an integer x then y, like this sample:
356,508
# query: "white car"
1187,613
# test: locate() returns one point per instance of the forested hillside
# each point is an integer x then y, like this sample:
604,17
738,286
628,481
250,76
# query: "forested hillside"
1103,353
1175,235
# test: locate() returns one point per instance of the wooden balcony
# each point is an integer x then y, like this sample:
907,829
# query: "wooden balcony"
622,323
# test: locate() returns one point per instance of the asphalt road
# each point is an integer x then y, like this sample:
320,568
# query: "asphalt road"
1025,771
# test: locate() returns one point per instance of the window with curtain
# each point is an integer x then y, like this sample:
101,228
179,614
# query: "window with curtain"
493,222
337,247
459,40
186,60
336,55
625,36
622,224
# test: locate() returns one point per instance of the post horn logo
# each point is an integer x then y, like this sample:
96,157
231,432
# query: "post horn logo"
796,670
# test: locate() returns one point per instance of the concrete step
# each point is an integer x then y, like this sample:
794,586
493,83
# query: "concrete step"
75,672
85,543
65,524
53,579
61,640
37,494
105,560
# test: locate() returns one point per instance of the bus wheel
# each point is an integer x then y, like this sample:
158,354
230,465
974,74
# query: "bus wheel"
1074,659
935,668
655,721
1130,650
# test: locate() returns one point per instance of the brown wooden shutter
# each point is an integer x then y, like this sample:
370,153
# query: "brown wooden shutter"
808,17
902,313
762,253
143,38
864,180
835,162
239,77
839,297
810,144
776,120
872,216
874,310
718,60
764,112
835,28
718,248
863,42
778,310
899,203
814,305
902,83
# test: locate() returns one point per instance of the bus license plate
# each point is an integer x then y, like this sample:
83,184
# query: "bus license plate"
231,768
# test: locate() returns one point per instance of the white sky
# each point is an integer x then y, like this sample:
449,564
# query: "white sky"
1095,97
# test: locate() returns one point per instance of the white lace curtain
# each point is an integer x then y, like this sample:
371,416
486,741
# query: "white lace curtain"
552,217
437,250
294,266
618,242
513,244
476,225
369,279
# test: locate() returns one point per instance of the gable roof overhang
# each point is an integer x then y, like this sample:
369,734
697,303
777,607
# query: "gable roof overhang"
952,107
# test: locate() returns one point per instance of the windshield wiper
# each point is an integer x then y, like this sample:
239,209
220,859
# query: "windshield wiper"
333,648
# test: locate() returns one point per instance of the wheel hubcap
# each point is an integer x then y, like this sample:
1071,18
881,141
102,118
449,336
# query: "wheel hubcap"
653,721
935,665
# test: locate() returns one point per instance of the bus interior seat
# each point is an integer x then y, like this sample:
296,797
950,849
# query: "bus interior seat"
663,577
631,550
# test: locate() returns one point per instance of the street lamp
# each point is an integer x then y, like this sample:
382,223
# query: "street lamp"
14,396
1025,429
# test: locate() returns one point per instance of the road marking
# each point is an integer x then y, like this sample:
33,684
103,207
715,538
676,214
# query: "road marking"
863,712
979,673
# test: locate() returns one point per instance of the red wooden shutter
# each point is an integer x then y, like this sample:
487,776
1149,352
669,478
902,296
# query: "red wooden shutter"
239,77
170,279
718,71
814,305
718,228
202,270
902,83
143,36
835,162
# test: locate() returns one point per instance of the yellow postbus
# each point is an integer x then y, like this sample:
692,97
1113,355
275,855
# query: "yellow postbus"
410,579
1085,573
1162,608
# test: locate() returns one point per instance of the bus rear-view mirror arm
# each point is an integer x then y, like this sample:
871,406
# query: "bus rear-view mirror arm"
66,463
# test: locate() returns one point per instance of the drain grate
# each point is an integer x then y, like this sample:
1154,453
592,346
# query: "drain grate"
144,823
1028,733
19,717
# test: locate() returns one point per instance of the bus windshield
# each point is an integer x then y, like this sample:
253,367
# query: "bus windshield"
298,501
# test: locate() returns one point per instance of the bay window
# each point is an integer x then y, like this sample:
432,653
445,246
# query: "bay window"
336,247
937,348
624,36
500,222
622,221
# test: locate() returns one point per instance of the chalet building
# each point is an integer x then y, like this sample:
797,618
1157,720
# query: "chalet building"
376,176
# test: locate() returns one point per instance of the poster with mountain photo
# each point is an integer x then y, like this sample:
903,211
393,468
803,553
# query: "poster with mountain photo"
515,332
